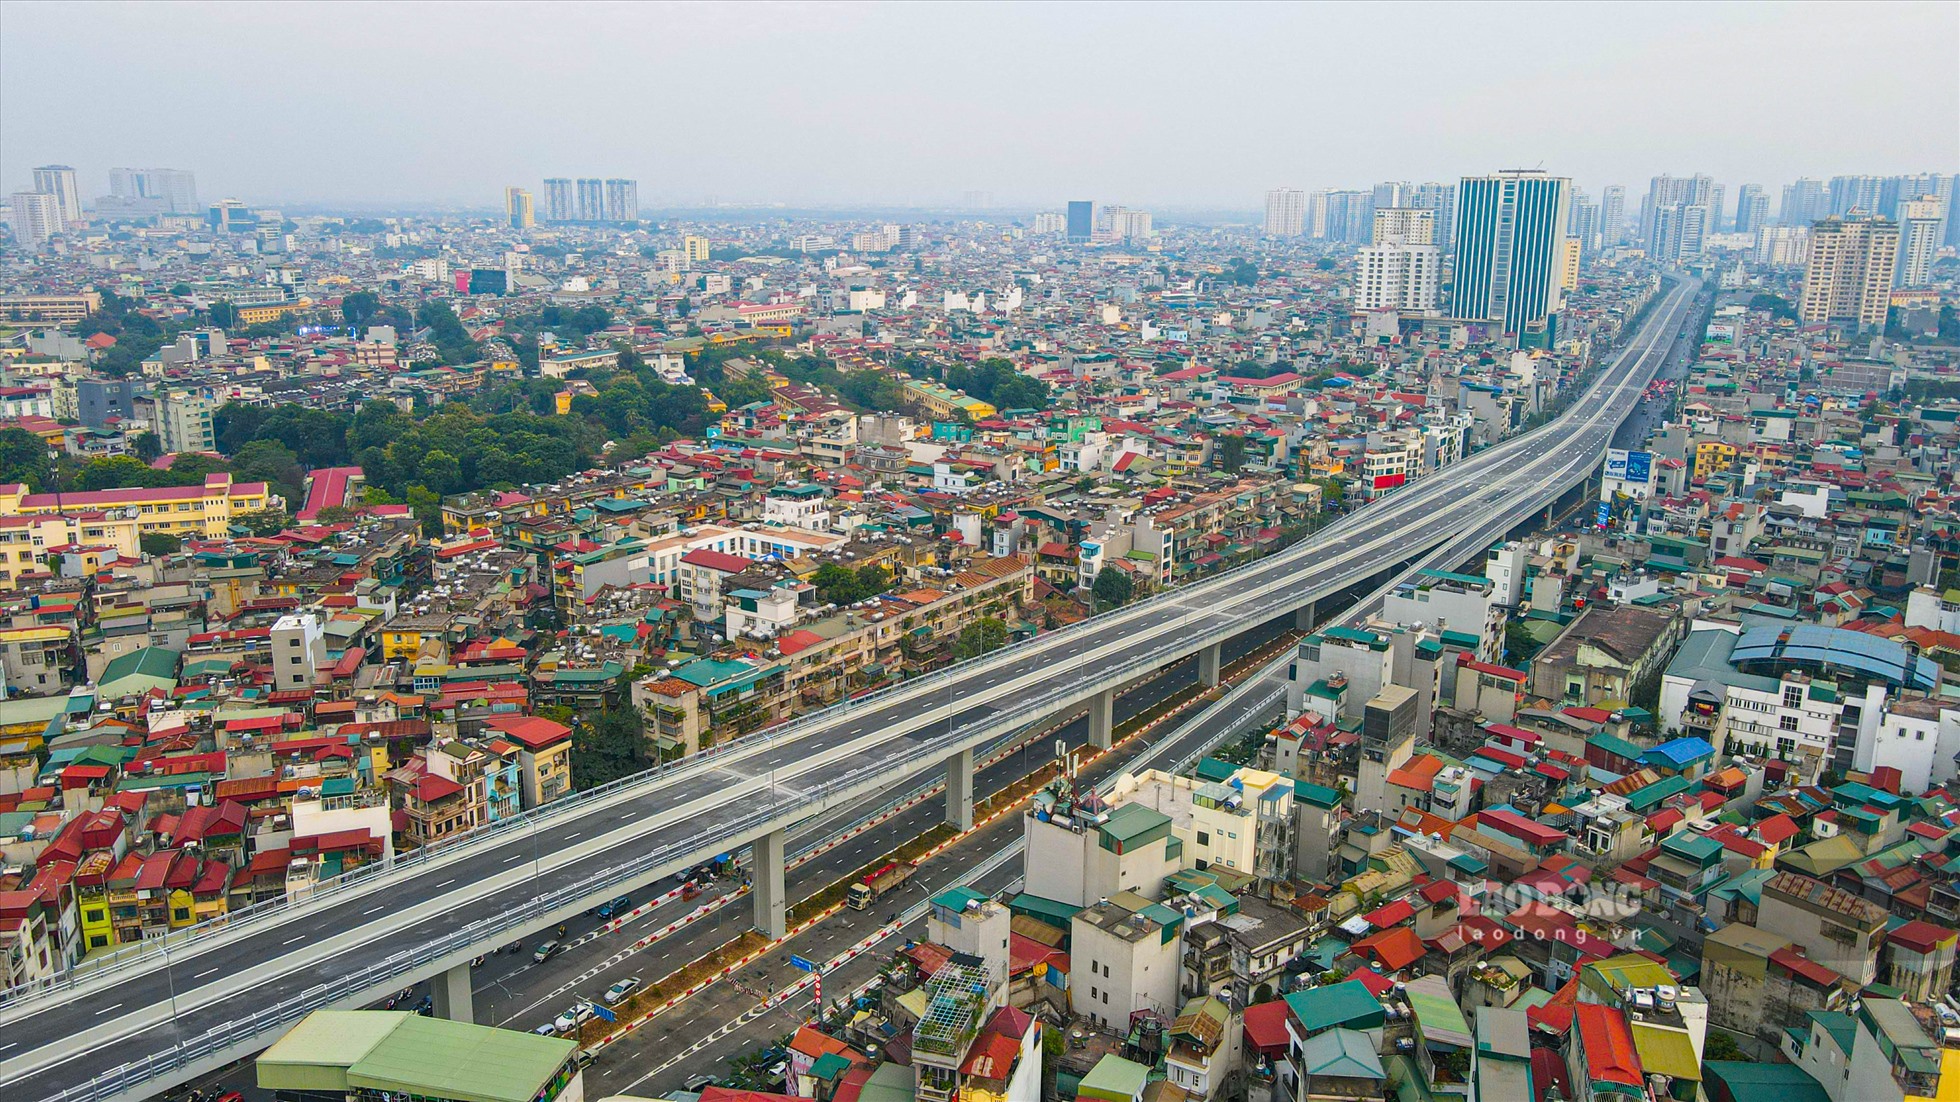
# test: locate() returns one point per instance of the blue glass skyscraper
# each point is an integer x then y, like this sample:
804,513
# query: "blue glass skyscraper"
1081,219
1510,237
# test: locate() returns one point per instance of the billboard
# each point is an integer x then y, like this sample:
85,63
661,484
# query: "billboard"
1389,481
1721,334
1629,466
488,281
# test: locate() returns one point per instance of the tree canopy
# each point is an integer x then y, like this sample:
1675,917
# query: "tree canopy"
840,585
983,636
1113,588
999,384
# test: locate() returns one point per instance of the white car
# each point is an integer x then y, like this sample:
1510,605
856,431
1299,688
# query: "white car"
548,1029
573,1018
621,989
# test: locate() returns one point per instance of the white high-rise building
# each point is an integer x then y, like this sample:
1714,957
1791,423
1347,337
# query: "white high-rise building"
1397,276
1680,192
1919,239
1612,216
591,199
1125,224
1286,212
1402,269
1782,246
1679,232
1751,208
161,190
1404,225
184,421
35,217
1804,202
1439,200
559,205
59,181
622,200
1848,277
1314,225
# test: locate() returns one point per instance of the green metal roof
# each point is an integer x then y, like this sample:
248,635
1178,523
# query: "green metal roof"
1750,1081
1347,1003
154,663
1113,1079
1347,1053
1052,911
347,1050
1214,769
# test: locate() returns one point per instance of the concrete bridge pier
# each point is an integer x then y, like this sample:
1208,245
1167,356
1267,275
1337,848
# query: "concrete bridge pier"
959,789
1102,719
771,908
450,992
1211,662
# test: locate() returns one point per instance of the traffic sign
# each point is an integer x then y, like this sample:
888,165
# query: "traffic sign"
603,1013
802,965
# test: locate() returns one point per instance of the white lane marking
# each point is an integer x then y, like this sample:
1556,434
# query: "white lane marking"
568,838
513,857
204,973
373,910
447,882
290,941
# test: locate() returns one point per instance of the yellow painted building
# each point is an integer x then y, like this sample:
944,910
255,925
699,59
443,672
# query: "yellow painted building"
943,402
402,643
1713,457
24,540
206,510
271,311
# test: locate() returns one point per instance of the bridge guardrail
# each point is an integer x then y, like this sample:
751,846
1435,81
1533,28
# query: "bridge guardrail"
927,752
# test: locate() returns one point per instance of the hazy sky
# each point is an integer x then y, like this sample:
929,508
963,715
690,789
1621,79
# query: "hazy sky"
1147,103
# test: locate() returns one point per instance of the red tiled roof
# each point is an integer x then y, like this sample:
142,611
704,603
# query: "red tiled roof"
1393,949
1920,936
1265,1027
431,788
798,641
533,731
1393,914
76,499
1608,1041
1793,961
716,560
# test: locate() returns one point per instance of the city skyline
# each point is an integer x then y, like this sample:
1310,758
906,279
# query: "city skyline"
1067,119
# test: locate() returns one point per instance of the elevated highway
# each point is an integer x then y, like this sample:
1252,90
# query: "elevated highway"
158,1015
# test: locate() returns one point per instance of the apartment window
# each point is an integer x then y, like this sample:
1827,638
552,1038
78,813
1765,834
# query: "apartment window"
1787,723
1792,696
1204,838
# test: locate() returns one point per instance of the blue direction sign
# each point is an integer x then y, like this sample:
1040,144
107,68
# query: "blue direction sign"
802,965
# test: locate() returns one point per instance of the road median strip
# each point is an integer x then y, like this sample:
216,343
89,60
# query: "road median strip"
725,960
